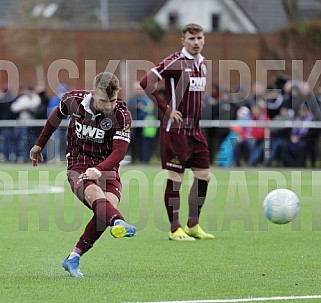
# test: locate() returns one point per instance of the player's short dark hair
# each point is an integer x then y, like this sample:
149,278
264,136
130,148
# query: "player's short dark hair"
107,82
192,28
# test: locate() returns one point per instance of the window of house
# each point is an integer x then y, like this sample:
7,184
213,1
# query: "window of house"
215,22
173,19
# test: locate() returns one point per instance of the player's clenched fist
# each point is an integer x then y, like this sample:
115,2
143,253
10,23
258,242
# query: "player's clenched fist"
93,173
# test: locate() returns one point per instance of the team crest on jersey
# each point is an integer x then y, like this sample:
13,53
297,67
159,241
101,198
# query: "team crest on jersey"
106,124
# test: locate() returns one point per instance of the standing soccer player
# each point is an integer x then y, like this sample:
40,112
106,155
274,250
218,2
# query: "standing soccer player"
182,142
97,140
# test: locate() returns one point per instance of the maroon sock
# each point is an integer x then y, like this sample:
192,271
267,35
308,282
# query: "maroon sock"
89,237
172,203
196,200
105,215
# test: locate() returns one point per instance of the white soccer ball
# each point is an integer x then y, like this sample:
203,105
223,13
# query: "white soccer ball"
281,206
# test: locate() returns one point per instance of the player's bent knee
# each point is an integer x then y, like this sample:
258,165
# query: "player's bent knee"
202,175
175,176
93,192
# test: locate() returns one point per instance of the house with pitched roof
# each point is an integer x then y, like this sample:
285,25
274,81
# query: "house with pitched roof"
236,16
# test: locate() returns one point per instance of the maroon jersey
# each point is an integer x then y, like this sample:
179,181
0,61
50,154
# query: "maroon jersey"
93,139
185,81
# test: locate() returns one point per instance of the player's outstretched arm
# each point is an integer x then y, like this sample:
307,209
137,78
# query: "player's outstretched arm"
51,125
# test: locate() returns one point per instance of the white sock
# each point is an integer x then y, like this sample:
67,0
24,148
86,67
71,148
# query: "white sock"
72,255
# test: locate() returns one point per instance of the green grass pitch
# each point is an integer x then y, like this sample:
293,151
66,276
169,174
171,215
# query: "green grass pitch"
41,220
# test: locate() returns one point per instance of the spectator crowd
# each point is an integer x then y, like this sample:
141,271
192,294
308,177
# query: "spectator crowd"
230,146
254,144
29,104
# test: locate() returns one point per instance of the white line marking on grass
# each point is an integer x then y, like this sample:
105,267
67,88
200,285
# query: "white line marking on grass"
37,191
263,299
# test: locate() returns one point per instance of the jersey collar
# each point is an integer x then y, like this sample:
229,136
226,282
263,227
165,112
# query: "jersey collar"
197,60
86,102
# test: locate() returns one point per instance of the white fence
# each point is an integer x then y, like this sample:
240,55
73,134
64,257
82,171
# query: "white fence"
204,123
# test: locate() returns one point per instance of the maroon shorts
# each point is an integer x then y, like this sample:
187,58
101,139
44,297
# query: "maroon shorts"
179,151
108,182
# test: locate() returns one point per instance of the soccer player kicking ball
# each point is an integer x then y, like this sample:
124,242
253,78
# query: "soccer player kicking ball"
182,142
98,137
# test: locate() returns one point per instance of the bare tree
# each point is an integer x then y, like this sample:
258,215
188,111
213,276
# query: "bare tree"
291,9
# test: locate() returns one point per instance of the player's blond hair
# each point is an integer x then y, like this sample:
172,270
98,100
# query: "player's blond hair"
107,82
192,28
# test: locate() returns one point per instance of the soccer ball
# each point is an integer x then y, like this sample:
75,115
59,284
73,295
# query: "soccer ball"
281,206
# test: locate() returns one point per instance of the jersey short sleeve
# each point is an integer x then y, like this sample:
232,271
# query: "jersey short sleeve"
168,66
